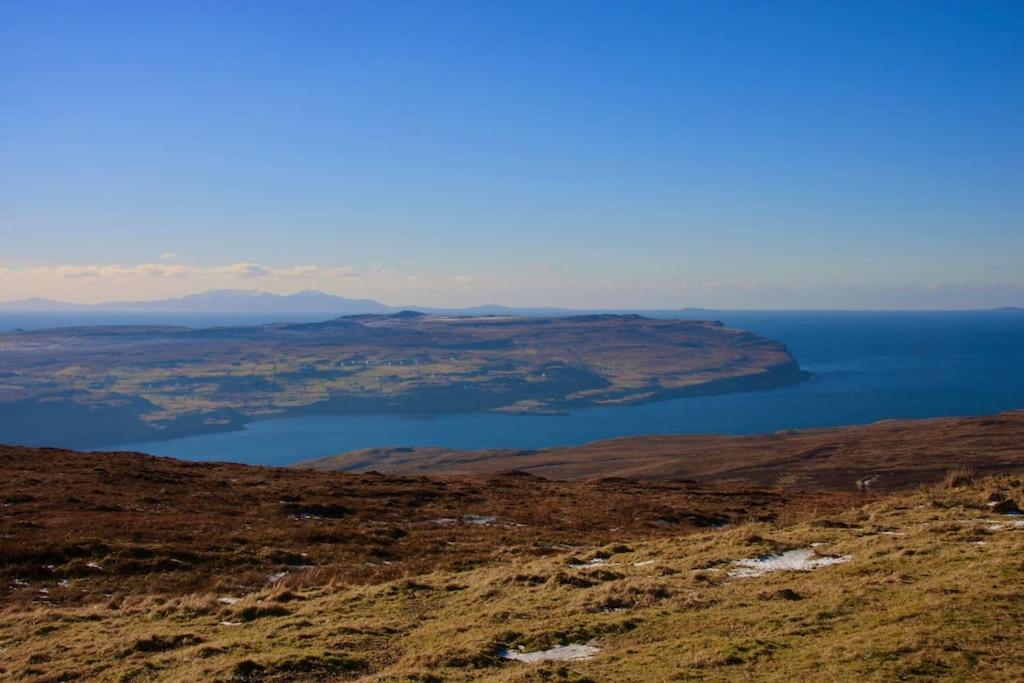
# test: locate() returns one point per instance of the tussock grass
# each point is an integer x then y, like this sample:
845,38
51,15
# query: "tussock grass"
959,477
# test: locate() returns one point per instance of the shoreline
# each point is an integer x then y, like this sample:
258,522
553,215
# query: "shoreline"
777,377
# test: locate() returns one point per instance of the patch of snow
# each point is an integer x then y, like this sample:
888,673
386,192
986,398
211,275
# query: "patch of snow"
230,623
444,521
276,577
801,560
562,653
643,563
228,600
480,519
595,562
93,565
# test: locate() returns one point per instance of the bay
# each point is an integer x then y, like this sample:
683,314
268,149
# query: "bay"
866,366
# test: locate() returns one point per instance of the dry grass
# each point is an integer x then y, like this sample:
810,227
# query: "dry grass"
82,526
893,454
931,591
959,477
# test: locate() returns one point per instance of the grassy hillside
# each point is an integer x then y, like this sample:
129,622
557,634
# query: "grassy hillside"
922,584
893,453
110,522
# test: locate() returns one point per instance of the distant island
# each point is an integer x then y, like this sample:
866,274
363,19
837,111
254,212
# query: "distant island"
229,302
310,304
100,385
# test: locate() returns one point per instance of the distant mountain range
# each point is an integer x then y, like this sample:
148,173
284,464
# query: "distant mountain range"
312,302
218,301
233,301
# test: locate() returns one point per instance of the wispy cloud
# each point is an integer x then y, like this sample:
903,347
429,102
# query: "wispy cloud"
168,256
166,277
244,270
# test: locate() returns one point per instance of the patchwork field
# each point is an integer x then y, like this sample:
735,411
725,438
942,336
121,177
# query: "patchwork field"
96,385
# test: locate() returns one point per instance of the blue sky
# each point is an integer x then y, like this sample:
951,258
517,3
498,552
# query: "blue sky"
731,154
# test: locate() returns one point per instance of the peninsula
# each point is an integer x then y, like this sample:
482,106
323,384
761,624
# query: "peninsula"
90,386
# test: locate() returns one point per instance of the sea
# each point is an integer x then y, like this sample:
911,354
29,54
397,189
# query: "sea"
866,366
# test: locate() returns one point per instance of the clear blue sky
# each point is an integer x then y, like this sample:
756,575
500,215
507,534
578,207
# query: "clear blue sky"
737,154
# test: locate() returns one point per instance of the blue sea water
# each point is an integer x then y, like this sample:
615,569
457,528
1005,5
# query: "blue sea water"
867,367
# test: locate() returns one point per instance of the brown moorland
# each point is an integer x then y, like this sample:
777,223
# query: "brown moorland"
124,567
892,454
85,525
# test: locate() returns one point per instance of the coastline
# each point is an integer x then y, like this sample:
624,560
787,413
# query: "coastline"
776,377
55,418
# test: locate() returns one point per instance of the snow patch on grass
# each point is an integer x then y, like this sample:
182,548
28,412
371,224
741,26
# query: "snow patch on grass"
800,560
480,519
562,653
594,562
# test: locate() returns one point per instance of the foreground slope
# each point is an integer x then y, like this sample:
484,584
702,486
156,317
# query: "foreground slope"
109,522
163,581
101,385
892,454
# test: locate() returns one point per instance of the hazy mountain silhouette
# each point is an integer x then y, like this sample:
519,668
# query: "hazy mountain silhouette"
231,301
219,301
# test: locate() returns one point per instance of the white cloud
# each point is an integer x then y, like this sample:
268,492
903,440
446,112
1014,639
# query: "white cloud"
113,271
343,271
168,256
244,270
101,282
326,271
